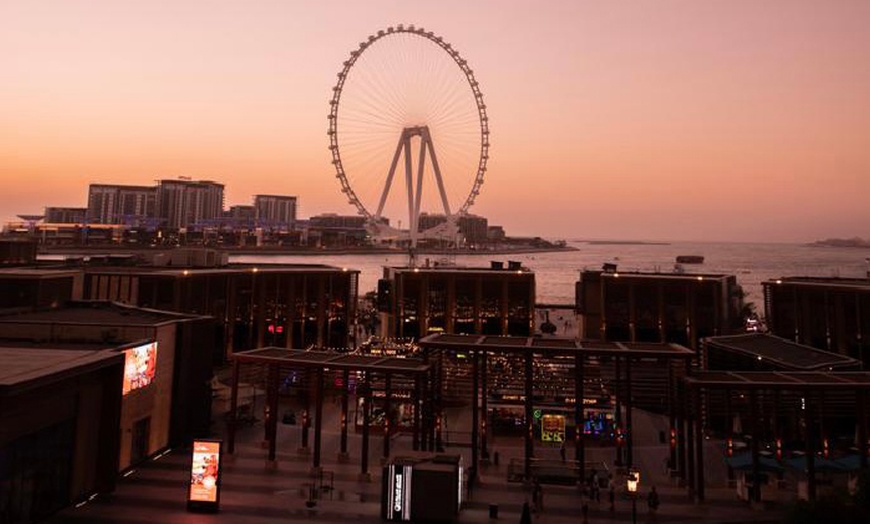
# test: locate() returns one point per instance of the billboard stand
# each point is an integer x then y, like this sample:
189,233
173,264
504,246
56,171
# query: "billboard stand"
203,493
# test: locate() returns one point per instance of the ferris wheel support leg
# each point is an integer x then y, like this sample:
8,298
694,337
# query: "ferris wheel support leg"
389,182
419,198
409,182
427,141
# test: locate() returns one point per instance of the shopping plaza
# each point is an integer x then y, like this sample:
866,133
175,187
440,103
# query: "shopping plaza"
462,392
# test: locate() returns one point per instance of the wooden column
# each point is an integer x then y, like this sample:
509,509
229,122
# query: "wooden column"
579,444
271,422
439,384
809,406
484,408
755,495
366,390
629,430
529,449
699,444
345,379
388,410
690,443
234,405
306,412
862,426
318,414
416,402
672,418
617,387
475,414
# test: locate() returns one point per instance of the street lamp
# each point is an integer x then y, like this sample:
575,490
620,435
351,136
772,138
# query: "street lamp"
631,483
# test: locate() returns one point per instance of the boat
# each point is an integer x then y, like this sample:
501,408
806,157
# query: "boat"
690,259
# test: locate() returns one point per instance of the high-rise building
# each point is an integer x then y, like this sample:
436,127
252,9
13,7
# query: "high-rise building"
65,215
185,203
275,211
472,227
120,204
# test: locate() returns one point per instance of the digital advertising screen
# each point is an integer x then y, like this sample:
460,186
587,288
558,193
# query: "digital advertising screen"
140,365
205,474
553,428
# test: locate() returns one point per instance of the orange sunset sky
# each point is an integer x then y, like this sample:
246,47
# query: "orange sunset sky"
666,119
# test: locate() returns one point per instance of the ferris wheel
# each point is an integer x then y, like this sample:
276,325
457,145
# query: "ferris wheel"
407,105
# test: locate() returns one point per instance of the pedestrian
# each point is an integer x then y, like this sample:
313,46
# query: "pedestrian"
585,510
596,486
562,450
653,500
611,494
526,516
538,497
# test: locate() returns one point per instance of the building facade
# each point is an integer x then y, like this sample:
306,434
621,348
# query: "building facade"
121,204
657,307
187,203
60,410
275,211
165,394
827,313
269,304
421,301
65,215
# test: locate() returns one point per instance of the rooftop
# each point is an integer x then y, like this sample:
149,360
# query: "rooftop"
97,312
36,272
853,283
24,365
658,276
782,380
226,270
326,359
785,353
555,345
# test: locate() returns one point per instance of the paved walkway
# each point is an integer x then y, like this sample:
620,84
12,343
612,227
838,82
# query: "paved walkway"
256,492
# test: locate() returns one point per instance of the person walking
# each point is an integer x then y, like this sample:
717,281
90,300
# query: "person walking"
611,495
538,497
526,516
653,501
562,450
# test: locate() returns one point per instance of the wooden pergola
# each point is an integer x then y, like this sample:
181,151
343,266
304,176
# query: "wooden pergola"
316,363
622,354
812,387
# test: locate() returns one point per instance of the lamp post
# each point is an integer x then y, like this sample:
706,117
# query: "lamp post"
632,482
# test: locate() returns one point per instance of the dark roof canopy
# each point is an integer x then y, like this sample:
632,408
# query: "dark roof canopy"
784,353
328,359
556,345
781,380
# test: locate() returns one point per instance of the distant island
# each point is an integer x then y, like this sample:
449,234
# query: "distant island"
841,242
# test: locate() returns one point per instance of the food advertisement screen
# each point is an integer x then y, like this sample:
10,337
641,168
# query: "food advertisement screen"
140,364
553,428
204,471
